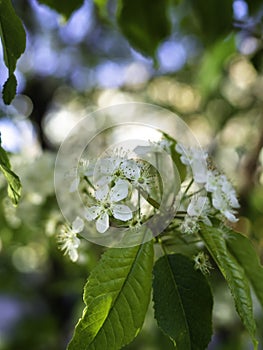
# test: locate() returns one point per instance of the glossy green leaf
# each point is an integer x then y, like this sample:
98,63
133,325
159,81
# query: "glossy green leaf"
13,39
145,23
116,296
242,249
182,302
65,8
234,275
14,184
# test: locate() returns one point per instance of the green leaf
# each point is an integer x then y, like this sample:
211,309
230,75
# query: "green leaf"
9,89
254,6
65,8
179,166
145,23
242,249
14,184
13,39
215,18
116,296
102,6
234,275
212,65
182,302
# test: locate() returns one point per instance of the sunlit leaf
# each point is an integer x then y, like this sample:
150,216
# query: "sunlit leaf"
13,39
242,249
14,184
65,8
145,23
212,65
182,302
116,296
234,275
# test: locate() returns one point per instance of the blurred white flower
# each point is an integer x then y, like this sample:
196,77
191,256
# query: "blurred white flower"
153,147
68,240
107,206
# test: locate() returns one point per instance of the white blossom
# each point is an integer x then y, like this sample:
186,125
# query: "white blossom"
68,240
189,225
224,196
107,200
195,159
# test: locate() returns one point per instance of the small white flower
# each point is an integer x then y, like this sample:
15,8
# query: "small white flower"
197,206
107,206
221,203
68,240
142,175
195,159
189,225
202,263
224,197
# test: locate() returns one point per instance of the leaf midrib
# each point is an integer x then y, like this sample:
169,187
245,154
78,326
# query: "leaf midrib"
120,292
180,299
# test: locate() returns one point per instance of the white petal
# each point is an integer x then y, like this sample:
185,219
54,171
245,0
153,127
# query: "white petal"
121,212
74,185
143,149
102,223
199,171
106,166
119,191
77,225
75,242
92,213
73,254
102,192
130,169
230,216
196,206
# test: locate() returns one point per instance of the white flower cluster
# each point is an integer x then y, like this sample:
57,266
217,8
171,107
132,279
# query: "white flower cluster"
117,178
120,184
223,196
68,240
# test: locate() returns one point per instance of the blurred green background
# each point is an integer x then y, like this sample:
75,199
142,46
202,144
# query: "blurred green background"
203,60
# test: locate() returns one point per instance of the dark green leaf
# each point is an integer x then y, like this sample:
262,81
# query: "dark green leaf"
14,184
234,275
182,302
9,89
116,296
145,23
254,6
65,8
215,19
13,39
242,249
